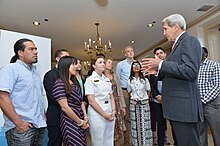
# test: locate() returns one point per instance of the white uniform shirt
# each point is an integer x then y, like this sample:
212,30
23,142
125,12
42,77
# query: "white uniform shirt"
100,87
101,130
138,88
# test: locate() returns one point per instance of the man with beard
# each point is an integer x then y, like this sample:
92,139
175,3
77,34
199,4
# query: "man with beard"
21,97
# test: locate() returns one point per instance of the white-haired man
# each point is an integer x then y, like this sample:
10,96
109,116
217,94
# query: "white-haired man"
181,99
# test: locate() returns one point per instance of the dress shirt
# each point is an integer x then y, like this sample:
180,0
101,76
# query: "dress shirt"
25,92
138,88
159,86
177,39
209,80
123,70
161,62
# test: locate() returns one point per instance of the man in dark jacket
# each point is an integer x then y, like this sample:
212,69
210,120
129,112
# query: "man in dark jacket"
53,111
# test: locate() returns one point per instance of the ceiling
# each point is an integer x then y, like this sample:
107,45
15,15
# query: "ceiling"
71,22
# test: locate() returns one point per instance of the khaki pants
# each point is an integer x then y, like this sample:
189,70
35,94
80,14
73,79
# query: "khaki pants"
127,118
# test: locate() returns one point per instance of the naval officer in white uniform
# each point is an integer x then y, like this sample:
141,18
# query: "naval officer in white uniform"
101,110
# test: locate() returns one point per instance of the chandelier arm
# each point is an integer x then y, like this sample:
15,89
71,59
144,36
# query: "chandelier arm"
96,47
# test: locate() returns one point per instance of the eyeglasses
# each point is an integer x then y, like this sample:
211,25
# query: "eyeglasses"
134,65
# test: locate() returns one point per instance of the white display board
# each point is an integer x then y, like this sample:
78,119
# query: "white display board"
7,41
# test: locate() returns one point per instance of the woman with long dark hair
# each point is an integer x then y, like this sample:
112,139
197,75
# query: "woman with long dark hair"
139,88
67,93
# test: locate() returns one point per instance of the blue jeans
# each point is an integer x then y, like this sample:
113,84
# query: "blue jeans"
32,137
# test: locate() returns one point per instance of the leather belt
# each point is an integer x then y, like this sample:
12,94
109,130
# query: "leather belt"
135,101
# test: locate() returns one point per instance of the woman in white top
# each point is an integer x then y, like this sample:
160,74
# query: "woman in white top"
139,88
101,110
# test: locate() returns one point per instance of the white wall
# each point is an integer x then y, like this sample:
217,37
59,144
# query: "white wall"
7,40
214,44
209,38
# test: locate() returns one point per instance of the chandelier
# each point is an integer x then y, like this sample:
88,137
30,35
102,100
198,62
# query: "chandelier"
95,47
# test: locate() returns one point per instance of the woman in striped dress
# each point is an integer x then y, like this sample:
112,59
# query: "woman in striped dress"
139,87
67,93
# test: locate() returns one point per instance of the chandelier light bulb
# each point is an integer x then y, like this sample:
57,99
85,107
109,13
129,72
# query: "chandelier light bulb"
85,45
94,47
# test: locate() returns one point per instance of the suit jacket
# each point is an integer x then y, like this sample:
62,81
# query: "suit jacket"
153,83
179,73
53,110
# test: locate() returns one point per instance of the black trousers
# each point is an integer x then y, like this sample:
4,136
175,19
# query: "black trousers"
161,121
54,135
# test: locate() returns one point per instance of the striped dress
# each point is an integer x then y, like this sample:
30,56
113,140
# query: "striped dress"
73,135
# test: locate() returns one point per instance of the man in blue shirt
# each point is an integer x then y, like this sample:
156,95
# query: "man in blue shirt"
21,98
123,70
209,85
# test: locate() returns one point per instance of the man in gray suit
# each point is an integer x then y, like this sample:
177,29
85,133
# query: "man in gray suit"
179,73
